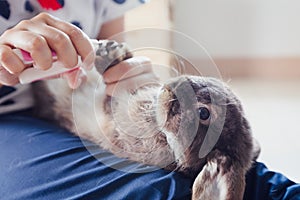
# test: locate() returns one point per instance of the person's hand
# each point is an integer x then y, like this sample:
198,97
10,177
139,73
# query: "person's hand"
39,36
129,75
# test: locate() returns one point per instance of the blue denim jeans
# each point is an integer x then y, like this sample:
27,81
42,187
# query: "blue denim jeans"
39,160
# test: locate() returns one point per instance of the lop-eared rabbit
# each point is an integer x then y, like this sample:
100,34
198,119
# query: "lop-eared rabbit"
191,124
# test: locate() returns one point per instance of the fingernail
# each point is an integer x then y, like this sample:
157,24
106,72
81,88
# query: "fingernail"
88,62
86,66
80,78
77,83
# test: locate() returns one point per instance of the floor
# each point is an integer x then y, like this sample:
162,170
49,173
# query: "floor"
273,109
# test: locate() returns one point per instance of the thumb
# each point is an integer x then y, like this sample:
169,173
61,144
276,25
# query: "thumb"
7,78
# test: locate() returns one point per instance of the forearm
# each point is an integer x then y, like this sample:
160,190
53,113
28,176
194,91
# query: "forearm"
111,28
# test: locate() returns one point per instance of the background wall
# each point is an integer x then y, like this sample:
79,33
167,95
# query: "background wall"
256,34
250,28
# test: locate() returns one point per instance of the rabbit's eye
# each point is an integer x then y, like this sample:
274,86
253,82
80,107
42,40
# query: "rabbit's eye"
204,113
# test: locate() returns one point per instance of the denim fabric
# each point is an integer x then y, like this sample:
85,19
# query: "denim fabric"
39,160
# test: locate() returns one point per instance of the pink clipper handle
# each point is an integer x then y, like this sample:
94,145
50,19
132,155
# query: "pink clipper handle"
32,74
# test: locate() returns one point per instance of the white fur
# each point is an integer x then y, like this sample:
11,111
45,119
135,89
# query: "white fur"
176,147
211,182
125,132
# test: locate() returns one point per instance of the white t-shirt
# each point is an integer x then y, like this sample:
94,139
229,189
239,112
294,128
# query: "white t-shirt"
88,15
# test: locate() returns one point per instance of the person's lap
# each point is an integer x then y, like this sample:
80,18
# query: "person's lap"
39,160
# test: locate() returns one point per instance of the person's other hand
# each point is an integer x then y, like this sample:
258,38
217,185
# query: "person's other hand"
129,75
39,36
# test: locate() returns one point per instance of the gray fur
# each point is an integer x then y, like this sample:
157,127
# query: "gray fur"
154,125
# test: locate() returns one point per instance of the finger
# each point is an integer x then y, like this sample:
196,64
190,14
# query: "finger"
59,42
127,68
131,84
78,38
89,62
7,78
10,61
31,42
75,78
56,40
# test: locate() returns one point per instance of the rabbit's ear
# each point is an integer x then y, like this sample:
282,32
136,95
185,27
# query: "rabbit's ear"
219,179
256,149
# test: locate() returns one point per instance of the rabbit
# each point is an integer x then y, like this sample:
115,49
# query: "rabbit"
191,124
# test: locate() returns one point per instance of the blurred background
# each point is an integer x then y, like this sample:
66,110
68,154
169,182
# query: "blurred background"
255,45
